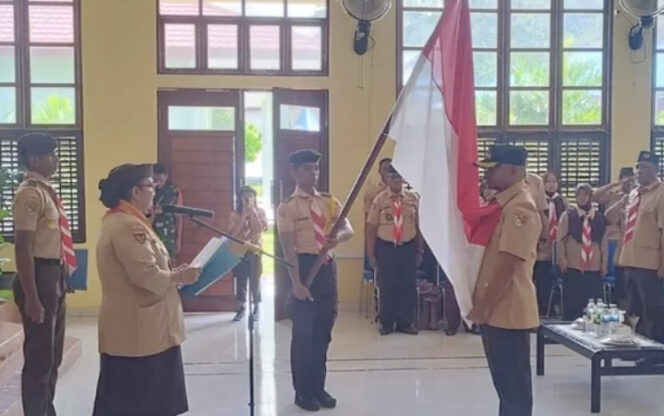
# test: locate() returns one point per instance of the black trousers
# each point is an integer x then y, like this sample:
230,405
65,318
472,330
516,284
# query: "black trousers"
645,295
578,288
312,328
44,343
250,269
396,275
508,354
620,294
543,276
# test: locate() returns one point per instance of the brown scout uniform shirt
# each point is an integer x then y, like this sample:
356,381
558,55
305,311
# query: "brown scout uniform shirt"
35,210
294,215
256,229
570,250
371,193
616,217
517,233
608,199
382,215
645,251
141,313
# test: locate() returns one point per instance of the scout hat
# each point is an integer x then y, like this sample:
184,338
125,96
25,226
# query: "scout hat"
35,144
646,156
300,157
504,155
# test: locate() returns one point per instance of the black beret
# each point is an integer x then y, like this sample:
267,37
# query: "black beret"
120,181
646,156
36,144
300,157
504,155
625,172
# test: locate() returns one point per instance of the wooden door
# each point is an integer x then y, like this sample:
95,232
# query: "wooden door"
300,122
197,140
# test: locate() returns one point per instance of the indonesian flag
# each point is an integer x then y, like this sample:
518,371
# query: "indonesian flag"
433,125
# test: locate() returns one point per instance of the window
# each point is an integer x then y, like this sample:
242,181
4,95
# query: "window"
285,37
657,93
541,77
40,91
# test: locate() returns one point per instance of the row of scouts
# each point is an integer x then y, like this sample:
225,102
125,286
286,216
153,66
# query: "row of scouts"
619,224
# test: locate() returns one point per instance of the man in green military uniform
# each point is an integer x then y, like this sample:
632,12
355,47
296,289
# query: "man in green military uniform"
167,226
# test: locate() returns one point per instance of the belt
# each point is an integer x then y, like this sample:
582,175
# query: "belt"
48,262
391,243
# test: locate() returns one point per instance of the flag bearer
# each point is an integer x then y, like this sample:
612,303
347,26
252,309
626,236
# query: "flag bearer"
505,304
304,221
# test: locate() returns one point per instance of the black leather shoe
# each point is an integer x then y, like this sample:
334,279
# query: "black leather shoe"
451,331
384,331
326,400
408,330
307,403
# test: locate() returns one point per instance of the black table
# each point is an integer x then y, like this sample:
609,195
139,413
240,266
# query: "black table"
601,356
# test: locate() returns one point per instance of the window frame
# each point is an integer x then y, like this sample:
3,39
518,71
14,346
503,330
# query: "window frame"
556,132
656,130
243,23
10,133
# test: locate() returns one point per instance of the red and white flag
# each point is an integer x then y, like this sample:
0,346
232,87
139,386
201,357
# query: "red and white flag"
433,125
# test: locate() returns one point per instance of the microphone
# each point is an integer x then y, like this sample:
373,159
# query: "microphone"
179,209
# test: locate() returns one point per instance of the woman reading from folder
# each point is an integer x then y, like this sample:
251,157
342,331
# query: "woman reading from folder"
141,323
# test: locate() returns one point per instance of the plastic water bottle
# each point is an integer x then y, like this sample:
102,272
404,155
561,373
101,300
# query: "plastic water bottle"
590,311
615,319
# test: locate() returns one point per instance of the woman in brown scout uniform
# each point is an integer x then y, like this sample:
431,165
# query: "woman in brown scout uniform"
141,324
248,222
583,251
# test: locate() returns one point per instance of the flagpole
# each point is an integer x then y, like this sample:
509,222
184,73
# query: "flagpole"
355,191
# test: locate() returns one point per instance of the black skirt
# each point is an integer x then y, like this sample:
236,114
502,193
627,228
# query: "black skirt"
142,386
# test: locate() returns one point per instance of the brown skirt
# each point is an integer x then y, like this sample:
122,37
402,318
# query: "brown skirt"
142,386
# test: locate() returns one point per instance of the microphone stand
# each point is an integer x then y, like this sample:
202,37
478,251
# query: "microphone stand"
250,318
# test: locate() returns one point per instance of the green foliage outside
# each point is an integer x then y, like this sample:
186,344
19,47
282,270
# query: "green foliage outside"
253,142
56,110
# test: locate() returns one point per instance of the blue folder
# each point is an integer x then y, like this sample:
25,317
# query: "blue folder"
223,261
79,279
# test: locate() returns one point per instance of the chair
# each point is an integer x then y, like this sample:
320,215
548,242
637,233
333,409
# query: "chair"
609,281
366,284
556,285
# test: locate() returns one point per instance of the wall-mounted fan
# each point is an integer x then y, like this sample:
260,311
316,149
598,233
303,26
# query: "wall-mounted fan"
365,11
644,10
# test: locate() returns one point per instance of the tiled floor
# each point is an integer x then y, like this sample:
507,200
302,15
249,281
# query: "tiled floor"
430,374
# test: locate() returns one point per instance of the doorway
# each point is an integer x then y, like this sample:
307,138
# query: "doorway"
199,133
300,122
197,141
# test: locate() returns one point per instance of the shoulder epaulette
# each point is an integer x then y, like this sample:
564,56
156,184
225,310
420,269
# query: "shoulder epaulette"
326,195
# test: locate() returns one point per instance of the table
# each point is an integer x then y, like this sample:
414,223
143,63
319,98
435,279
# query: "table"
601,356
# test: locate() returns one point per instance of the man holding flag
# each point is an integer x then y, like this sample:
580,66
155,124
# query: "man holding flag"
435,130
504,300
